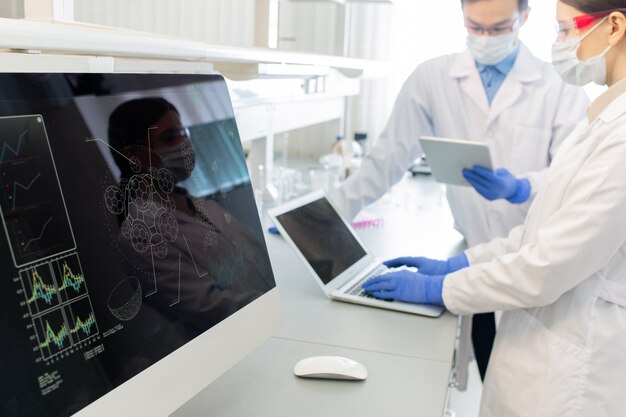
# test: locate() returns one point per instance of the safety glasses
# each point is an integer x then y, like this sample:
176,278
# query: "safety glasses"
565,28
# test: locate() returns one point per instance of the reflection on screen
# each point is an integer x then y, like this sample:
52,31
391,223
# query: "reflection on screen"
322,238
128,228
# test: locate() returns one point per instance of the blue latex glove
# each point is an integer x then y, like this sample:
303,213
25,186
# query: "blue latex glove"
427,266
408,286
497,184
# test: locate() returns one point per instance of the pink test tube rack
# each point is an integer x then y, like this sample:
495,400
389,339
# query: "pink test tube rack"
363,224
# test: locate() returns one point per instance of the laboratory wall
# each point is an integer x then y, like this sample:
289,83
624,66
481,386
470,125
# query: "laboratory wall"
228,22
371,31
12,9
310,26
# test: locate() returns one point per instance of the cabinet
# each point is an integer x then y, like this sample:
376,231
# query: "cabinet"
317,26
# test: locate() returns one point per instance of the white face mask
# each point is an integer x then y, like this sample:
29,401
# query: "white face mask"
178,159
573,70
489,50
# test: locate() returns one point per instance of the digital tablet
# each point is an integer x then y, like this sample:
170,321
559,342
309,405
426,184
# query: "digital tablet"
448,157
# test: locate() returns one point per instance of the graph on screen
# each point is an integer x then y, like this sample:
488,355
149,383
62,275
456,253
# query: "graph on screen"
55,292
32,205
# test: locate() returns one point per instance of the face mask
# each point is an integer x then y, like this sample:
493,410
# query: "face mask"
489,50
179,160
573,70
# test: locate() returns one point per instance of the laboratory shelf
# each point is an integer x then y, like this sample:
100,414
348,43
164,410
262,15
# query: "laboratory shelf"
93,40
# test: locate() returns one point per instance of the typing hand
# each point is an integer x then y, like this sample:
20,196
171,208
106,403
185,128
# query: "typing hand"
411,287
427,266
494,185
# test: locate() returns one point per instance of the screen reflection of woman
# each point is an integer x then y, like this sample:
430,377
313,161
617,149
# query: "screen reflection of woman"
194,258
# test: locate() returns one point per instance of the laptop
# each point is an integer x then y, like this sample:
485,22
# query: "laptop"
333,253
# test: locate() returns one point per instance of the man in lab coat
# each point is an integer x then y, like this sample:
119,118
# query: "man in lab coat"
496,92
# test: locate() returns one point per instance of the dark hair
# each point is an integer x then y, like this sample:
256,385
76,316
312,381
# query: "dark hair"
595,6
129,123
522,4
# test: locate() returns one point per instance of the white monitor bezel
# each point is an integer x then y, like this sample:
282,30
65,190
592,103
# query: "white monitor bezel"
169,383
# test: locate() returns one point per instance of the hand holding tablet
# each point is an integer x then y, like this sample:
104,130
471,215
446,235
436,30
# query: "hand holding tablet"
448,157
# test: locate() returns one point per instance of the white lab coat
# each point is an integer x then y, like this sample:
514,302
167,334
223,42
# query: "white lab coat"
532,113
560,349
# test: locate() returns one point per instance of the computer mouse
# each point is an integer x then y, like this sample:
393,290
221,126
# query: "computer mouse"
330,367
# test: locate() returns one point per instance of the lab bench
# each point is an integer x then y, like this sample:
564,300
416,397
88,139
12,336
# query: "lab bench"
408,357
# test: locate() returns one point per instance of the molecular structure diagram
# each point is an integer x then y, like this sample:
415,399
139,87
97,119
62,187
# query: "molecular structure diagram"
149,214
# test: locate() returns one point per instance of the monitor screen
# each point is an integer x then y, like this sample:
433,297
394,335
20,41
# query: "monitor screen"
129,228
323,238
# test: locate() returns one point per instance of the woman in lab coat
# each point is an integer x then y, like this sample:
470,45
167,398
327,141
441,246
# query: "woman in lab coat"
561,277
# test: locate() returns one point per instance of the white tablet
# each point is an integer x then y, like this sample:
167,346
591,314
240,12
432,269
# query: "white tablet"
448,157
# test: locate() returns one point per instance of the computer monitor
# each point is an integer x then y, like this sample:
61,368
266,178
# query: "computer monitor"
134,270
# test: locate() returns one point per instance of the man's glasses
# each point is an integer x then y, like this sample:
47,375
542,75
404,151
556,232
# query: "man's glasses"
496,30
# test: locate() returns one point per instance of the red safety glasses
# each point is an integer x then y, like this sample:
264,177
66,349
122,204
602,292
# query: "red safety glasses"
583,21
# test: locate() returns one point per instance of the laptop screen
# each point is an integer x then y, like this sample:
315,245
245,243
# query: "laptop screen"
323,238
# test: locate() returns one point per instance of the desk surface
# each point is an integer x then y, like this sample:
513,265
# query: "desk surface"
263,385
310,316
408,357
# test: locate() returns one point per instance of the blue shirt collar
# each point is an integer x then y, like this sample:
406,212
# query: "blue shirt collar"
504,66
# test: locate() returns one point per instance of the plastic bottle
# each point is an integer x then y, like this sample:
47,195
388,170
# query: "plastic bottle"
337,148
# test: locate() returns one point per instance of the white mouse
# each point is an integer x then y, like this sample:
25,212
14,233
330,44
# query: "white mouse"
330,367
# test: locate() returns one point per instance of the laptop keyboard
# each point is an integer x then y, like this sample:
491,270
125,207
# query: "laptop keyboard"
357,290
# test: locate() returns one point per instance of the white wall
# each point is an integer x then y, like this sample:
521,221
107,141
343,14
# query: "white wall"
539,32
310,26
12,9
227,22
371,31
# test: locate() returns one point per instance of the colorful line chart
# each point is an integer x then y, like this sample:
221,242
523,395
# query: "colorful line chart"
59,336
52,331
32,206
41,289
52,283
58,301
71,279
